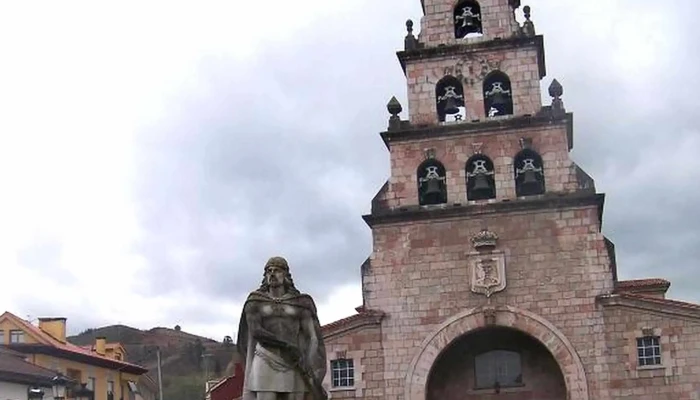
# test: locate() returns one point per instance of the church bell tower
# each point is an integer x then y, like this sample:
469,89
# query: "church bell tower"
484,215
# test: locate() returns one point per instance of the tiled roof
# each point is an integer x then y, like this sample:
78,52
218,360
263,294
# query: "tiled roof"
363,315
66,347
659,301
643,283
15,368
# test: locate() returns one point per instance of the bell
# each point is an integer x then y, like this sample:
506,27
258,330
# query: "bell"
469,21
481,183
481,189
530,185
498,99
433,192
451,106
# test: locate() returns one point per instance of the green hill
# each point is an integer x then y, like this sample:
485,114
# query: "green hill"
187,360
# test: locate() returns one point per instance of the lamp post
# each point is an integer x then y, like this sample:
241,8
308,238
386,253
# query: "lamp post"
35,393
83,393
58,384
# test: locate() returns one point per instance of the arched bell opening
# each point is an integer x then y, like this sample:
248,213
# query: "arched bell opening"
529,173
449,99
432,183
498,94
467,19
496,363
481,184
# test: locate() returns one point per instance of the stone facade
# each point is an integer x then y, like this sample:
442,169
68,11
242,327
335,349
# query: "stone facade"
452,285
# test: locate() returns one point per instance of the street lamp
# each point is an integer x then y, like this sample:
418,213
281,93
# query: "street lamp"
35,392
58,384
83,393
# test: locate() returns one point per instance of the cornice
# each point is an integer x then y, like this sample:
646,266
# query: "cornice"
542,119
424,53
550,201
649,304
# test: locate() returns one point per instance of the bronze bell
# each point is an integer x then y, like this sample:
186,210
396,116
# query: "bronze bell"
451,106
482,189
433,191
469,21
498,99
481,183
530,184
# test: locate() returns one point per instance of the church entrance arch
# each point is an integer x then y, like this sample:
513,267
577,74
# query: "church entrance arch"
494,343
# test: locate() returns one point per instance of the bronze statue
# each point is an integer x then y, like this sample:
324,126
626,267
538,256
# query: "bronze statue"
280,339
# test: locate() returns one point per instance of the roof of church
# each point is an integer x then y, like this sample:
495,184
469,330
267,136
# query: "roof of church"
643,283
362,318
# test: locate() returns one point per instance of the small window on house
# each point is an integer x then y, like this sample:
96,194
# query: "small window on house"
449,98
110,390
648,351
2,337
91,383
432,188
343,373
16,336
498,96
529,173
498,369
467,19
480,178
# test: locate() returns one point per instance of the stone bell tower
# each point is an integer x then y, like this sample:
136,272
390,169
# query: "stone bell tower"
485,225
490,277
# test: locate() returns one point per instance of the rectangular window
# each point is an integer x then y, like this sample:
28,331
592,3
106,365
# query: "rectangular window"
343,373
648,351
2,337
110,390
16,336
500,368
91,383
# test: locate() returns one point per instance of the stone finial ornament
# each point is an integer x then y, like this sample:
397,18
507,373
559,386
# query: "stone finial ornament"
394,108
528,26
484,240
556,90
410,43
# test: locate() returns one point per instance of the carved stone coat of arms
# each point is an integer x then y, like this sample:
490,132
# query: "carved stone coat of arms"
488,273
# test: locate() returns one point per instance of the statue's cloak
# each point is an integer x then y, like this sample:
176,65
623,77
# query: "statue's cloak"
311,367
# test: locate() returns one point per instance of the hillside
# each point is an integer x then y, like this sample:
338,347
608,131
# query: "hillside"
187,360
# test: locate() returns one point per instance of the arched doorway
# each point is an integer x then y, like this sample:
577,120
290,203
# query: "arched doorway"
490,317
495,363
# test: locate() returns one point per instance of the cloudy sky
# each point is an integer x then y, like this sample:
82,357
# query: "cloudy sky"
154,154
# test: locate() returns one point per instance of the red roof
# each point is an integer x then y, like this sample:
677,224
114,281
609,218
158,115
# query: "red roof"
47,341
644,283
665,302
362,315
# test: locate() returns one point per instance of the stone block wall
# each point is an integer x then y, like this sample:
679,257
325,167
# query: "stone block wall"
556,264
618,375
437,26
520,64
363,346
550,142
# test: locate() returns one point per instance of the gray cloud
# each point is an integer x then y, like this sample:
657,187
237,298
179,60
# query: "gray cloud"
280,154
